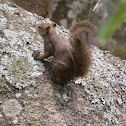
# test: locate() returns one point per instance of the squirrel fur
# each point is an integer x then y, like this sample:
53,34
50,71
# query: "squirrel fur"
71,60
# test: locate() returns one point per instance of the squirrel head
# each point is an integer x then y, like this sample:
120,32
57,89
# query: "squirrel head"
45,29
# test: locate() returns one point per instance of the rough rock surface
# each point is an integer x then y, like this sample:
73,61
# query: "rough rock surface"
26,88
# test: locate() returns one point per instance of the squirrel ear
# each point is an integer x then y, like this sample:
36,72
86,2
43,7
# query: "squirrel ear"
47,28
54,25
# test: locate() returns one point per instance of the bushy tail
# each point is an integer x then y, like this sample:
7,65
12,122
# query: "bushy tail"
83,24
82,35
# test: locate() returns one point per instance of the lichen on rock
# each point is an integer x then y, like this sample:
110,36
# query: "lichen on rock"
18,71
12,108
96,99
102,82
17,63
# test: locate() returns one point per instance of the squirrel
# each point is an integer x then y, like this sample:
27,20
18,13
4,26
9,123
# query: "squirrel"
71,60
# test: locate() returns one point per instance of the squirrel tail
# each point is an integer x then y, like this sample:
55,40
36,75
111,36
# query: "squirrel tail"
82,35
83,24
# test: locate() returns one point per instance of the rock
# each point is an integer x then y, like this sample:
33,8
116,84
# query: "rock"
12,108
96,99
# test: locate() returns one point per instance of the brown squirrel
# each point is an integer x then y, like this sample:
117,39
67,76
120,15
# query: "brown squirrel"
71,60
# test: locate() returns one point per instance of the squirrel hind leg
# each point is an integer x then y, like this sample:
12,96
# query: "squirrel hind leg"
62,72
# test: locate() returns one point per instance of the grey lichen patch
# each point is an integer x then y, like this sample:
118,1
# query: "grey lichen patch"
6,14
8,9
3,21
12,108
17,63
18,71
16,48
101,84
3,87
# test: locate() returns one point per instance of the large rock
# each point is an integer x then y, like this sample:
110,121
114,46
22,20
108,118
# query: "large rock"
96,99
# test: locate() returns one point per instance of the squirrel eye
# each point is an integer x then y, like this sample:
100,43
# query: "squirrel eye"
39,27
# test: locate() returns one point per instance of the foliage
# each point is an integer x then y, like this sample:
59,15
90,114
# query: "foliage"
69,1
120,51
107,30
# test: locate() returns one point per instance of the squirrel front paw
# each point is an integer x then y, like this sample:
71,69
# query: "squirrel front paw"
36,54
